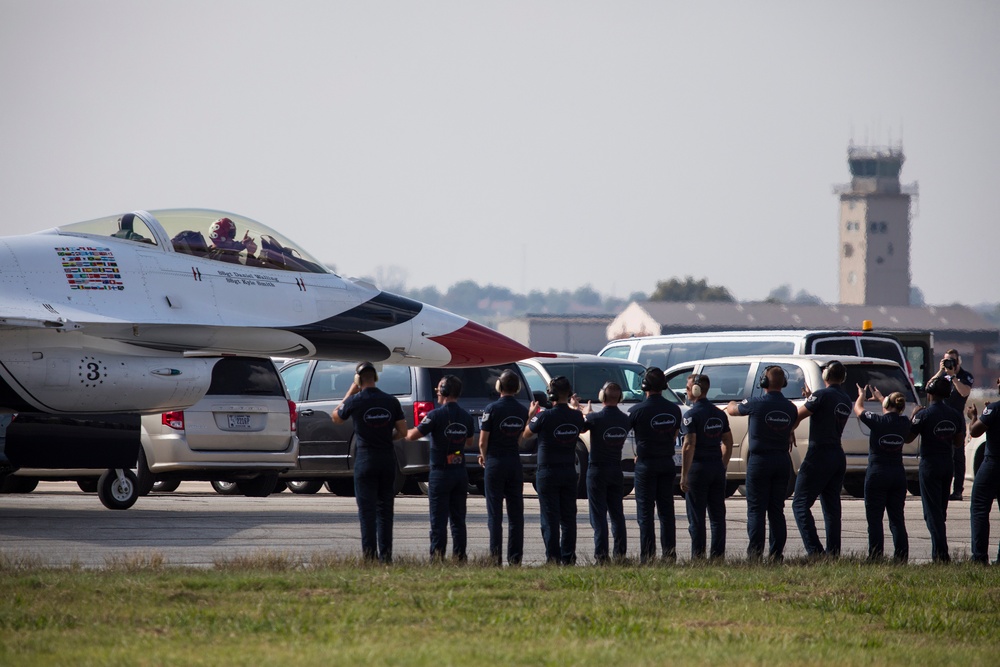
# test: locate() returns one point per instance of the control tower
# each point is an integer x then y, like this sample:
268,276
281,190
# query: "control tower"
875,229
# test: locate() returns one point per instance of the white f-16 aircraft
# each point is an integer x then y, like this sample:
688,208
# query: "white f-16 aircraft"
129,313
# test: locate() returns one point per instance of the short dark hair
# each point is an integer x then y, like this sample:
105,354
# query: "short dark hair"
560,387
450,386
509,382
835,372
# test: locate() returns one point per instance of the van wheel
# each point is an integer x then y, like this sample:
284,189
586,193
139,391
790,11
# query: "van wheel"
259,487
790,489
142,473
118,493
225,488
12,484
166,485
88,485
731,487
913,486
977,460
341,486
855,488
627,489
411,487
305,486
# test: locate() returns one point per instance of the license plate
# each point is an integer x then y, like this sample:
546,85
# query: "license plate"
239,421
677,460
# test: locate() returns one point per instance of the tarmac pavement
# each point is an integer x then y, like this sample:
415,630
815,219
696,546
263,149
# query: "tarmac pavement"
59,525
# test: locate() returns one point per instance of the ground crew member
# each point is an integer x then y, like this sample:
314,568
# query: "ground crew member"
941,428
821,474
708,445
769,465
378,420
558,429
503,477
450,428
605,482
885,478
986,487
961,387
654,424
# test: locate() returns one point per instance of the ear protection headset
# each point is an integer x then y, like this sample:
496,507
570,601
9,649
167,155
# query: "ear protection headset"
940,387
508,377
364,366
555,384
653,380
765,382
449,386
613,386
834,369
696,389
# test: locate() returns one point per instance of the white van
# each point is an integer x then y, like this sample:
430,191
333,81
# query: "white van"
672,349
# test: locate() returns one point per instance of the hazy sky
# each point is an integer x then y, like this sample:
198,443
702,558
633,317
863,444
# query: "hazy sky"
533,145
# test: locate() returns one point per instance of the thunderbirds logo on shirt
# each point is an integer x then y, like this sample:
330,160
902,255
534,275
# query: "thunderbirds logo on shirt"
891,441
713,427
615,435
945,430
456,433
663,422
377,417
511,425
779,421
566,433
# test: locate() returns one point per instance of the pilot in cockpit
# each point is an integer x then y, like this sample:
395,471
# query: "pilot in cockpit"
224,246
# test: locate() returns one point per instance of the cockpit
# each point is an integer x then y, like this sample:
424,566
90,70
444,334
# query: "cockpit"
212,235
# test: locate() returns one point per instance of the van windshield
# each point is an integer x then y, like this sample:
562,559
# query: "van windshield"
886,379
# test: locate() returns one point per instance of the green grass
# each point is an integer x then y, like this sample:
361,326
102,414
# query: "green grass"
273,609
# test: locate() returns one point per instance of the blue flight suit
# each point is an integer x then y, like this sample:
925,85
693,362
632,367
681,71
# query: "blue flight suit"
449,427
605,482
937,425
503,478
654,424
375,414
772,419
821,474
558,430
986,486
885,483
706,479
957,401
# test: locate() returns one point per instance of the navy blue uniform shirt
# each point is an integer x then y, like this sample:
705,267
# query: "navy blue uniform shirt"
830,408
708,424
449,427
558,429
991,421
654,424
375,415
937,425
955,399
608,431
888,434
772,417
504,420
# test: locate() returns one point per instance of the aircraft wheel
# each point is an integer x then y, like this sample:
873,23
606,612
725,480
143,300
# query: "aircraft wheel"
118,493
305,486
225,488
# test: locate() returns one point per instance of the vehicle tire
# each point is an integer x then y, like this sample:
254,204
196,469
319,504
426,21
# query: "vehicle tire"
142,473
12,484
398,482
423,487
477,487
411,487
855,487
88,485
305,487
629,486
582,459
225,488
913,486
166,485
341,486
279,486
115,493
790,490
731,487
977,460
260,486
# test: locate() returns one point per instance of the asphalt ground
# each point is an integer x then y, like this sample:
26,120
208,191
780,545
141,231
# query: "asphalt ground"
58,525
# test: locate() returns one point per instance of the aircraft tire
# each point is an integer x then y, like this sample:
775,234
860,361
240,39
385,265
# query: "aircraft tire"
115,493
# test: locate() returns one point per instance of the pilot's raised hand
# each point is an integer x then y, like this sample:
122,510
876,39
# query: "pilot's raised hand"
249,244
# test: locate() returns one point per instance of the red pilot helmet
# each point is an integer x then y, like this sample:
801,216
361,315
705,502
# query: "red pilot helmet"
222,229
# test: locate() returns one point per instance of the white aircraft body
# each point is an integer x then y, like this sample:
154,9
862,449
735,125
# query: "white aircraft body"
129,313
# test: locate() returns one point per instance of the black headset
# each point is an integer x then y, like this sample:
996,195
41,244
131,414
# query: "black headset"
653,380
550,391
449,386
765,382
939,386
364,366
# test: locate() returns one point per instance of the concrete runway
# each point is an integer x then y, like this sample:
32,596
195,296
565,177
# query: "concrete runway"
194,526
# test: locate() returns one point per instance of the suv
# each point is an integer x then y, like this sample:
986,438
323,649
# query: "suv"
327,449
242,431
587,373
736,378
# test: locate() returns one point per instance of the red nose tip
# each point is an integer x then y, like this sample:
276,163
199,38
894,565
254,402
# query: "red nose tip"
475,345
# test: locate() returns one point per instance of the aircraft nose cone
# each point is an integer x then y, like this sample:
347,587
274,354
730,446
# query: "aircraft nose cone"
475,345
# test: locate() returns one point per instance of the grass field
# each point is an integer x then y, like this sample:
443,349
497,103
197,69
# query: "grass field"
274,610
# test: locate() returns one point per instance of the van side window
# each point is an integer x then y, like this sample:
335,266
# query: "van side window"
837,347
654,355
728,382
395,380
331,380
796,381
882,349
677,382
681,352
616,352
742,348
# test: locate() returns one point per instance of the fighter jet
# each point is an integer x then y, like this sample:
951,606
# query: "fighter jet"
129,313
